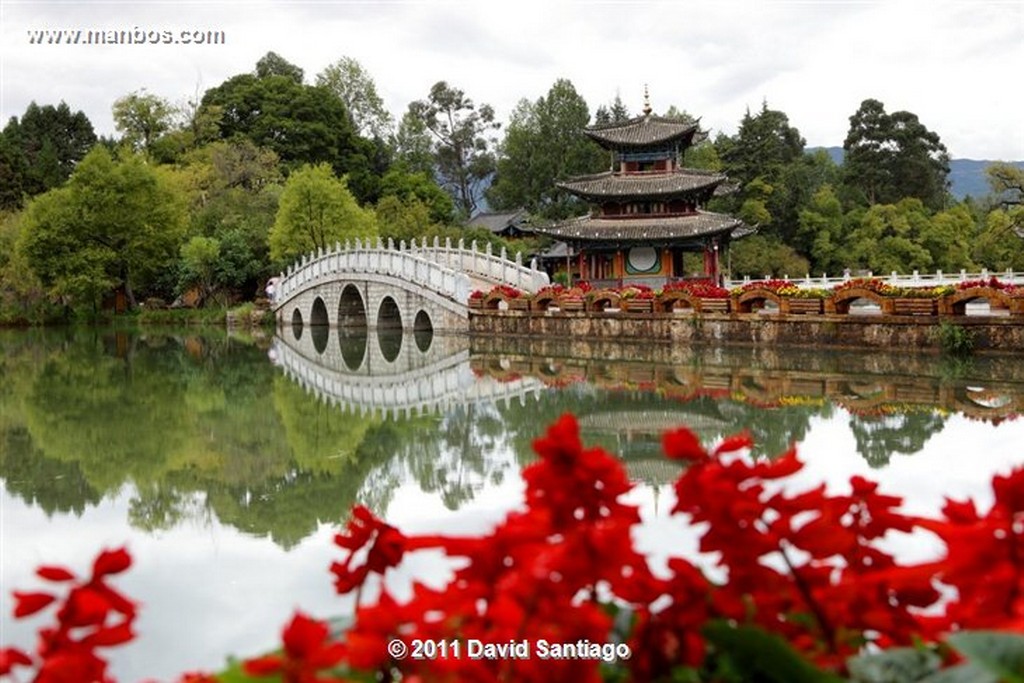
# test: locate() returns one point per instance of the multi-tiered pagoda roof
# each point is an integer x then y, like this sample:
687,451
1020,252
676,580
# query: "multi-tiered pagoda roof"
647,196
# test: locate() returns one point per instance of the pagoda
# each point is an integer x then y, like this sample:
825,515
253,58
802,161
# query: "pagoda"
647,210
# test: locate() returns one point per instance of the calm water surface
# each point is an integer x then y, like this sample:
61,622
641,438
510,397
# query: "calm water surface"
227,463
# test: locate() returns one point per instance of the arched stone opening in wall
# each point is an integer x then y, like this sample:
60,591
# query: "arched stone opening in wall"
319,325
297,324
353,342
389,316
390,342
423,331
351,308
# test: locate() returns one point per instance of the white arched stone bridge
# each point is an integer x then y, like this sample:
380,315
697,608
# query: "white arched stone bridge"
393,373
383,286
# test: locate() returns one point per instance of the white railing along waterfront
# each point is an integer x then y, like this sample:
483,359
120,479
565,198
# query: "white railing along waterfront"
915,279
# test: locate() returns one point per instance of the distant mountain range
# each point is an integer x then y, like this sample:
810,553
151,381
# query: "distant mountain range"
966,176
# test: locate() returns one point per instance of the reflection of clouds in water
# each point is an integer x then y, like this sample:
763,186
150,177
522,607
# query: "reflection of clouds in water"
200,598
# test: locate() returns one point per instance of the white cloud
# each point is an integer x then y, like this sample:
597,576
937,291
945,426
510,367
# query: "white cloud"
952,63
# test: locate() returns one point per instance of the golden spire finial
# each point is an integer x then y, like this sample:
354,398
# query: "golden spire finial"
647,102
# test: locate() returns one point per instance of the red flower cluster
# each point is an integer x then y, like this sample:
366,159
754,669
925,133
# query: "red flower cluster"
808,566
704,289
869,283
505,291
91,615
773,285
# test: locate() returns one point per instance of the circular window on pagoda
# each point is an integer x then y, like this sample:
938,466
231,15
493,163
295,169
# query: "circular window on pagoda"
643,260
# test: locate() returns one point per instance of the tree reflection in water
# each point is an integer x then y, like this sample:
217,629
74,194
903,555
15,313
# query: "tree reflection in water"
204,427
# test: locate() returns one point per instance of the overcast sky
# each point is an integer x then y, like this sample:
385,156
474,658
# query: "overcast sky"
957,65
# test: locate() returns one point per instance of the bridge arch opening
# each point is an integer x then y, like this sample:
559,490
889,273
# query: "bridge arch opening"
319,328
318,315
353,344
351,308
297,324
390,342
389,316
423,331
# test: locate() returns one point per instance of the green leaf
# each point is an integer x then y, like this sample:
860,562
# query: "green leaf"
898,665
755,655
997,652
964,673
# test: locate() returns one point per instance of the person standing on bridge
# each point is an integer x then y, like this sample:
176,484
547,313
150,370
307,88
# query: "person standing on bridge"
271,288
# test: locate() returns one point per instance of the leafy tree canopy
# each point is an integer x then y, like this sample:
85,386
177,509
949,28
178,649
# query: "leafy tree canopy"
544,143
302,124
316,211
462,156
39,151
142,117
347,79
116,222
892,156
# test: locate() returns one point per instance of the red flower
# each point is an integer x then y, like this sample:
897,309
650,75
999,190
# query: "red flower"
307,650
11,657
383,543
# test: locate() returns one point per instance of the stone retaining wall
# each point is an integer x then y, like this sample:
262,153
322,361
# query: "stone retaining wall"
894,332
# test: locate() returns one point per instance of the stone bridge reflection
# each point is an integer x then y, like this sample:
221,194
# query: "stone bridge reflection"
391,372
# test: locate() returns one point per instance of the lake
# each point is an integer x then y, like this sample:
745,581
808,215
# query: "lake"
226,463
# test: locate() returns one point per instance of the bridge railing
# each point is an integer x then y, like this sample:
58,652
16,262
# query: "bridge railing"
486,265
915,279
366,258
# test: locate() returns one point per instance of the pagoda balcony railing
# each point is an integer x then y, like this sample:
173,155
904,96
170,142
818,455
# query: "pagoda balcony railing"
915,279
665,214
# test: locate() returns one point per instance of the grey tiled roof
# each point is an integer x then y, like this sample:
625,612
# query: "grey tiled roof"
586,228
643,131
609,185
496,222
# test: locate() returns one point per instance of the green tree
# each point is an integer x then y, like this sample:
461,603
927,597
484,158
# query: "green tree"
116,223
762,147
892,156
999,246
406,186
948,237
413,145
758,158
616,112
142,117
760,255
39,151
199,257
545,143
821,227
302,124
273,64
347,79
316,211
887,238
1007,182
461,149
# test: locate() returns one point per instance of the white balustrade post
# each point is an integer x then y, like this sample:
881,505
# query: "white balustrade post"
391,244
